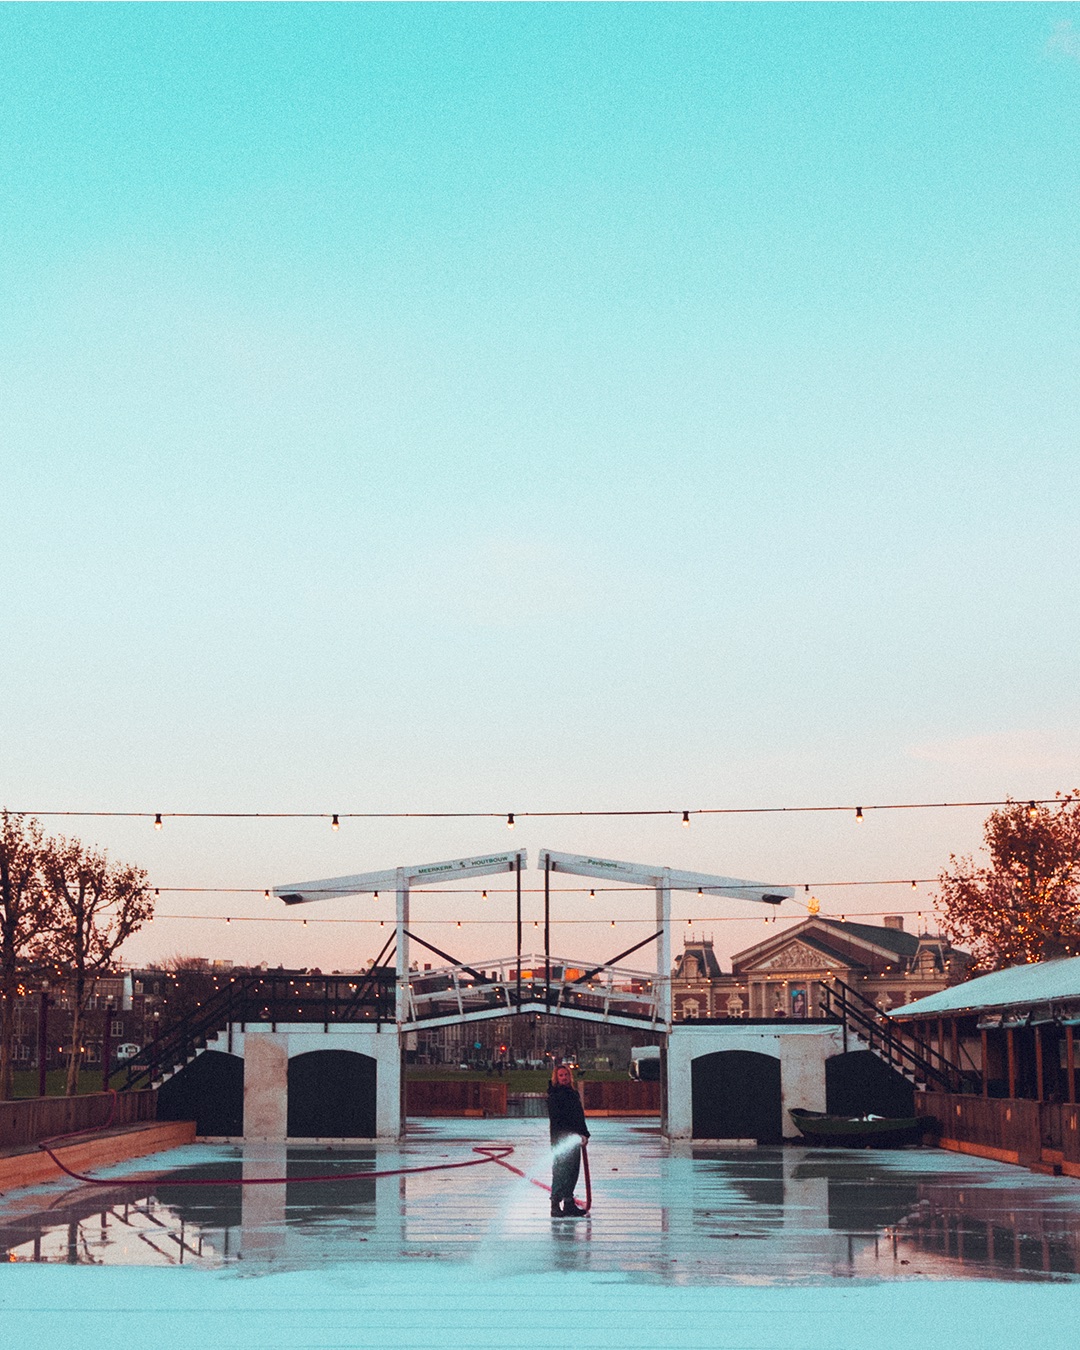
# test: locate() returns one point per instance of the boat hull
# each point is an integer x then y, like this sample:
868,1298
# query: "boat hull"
818,1127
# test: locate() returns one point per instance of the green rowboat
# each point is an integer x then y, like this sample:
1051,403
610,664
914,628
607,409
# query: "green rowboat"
821,1128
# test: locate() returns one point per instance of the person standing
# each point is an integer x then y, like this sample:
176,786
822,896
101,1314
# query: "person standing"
568,1132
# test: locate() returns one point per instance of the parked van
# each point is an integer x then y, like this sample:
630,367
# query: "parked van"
645,1063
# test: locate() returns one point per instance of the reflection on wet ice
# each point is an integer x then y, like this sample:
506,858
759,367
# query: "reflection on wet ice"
677,1214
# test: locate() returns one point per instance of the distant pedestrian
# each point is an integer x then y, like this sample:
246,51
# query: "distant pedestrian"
568,1132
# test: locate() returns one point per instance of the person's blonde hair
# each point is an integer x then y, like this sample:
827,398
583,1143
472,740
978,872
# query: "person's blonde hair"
568,1069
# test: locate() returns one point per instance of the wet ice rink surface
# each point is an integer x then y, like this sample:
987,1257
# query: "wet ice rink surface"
669,1215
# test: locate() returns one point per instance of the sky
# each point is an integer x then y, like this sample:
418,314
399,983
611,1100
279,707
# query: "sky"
523,407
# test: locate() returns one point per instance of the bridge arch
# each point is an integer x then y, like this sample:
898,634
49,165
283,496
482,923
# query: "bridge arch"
210,1091
332,1094
858,1082
736,1094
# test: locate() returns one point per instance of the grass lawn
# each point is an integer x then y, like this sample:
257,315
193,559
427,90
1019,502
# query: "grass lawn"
26,1082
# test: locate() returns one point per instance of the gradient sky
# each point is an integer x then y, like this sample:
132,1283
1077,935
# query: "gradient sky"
514,407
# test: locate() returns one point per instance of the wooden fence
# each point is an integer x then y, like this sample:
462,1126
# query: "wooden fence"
625,1098
436,1097
1009,1129
30,1119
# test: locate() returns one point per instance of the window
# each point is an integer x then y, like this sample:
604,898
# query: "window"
116,1027
691,1007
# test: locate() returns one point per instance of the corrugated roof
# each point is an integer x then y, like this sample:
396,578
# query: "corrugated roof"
1019,986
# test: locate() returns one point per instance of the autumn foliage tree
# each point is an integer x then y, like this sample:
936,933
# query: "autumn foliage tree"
98,904
26,913
1025,905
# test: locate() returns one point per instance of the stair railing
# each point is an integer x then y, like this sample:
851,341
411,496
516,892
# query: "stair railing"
918,1058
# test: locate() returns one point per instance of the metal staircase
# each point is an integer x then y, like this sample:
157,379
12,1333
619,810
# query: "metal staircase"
920,1062
262,996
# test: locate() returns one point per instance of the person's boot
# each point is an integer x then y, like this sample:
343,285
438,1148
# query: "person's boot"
556,1209
572,1210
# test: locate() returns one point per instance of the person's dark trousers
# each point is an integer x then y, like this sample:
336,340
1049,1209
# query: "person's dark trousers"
565,1167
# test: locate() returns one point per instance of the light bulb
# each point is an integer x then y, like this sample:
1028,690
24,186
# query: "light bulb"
266,895
613,923
700,891
592,894
375,896
483,895
157,821
335,824
858,813
510,820
914,885
686,819
1032,811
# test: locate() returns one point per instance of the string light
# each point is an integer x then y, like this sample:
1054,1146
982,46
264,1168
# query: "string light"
858,813
686,820
157,821
592,893
483,895
335,824
266,895
1032,811
544,815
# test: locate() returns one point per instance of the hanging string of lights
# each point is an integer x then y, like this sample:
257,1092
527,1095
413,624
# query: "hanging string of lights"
805,886
600,918
335,818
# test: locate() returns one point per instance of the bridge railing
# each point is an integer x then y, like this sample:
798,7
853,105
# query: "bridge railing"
563,986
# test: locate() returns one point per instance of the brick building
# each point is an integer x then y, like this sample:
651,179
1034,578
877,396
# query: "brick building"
784,975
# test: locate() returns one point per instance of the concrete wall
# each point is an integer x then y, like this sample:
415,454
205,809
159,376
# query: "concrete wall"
801,1050
266,1053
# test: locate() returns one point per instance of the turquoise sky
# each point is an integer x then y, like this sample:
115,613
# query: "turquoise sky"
528,407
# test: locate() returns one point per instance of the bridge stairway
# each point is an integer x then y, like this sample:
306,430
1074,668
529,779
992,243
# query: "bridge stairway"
263,996
920,1062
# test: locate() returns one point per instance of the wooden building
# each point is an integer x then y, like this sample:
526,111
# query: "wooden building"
1013,1034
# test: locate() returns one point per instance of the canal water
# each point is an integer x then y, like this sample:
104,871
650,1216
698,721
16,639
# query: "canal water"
666,1214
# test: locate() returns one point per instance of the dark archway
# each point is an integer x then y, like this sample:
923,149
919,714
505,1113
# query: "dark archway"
209,1091
859,1083
332,1095
735,1094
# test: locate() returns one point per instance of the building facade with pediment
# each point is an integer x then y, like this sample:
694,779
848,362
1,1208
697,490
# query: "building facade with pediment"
785,975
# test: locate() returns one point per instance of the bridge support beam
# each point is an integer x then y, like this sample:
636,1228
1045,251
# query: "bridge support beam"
266,1085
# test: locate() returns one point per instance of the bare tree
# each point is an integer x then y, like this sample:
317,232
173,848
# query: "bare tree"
99,904
1025,906
26,911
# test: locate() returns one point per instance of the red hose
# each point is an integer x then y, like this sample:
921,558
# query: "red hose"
489,1153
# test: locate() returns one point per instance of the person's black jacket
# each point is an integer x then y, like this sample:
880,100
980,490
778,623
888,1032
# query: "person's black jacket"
565,1112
